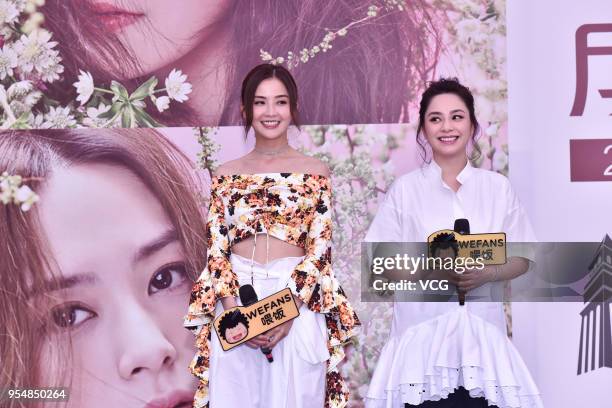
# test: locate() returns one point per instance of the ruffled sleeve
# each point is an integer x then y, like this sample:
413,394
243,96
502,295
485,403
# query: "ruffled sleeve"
218,280
218,262
315,270
313,279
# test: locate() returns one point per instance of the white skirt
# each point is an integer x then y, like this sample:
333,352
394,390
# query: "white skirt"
242,377
427,362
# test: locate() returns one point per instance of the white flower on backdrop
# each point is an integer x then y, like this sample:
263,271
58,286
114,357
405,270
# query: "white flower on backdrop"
13,191
177,87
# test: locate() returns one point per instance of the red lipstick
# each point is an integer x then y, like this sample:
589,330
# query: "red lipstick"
114,18
175,399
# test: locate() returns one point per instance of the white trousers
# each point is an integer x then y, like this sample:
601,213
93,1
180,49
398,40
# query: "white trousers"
242,377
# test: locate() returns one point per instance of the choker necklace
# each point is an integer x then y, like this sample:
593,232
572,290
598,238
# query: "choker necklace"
271,153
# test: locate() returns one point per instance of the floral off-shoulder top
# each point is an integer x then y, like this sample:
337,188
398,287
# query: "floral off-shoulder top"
295,208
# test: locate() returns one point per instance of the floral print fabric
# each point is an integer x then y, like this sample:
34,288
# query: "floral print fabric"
292,207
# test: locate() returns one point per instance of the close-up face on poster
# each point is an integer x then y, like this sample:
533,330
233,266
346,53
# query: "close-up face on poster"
296,204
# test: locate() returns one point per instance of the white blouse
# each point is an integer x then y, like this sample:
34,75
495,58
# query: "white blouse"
420,203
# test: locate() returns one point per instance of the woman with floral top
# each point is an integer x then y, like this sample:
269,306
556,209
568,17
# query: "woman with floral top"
269,225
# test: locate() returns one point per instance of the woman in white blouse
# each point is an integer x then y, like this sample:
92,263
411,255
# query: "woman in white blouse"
444,354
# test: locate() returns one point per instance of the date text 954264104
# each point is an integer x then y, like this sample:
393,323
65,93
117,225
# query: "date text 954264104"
31,394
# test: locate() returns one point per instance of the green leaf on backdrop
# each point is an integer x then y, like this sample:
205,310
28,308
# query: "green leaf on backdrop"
119,90
144,90
144,119
112,112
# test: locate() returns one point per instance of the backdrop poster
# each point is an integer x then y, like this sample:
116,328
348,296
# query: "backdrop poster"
137,63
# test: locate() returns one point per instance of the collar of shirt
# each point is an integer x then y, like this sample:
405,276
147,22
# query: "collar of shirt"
433,172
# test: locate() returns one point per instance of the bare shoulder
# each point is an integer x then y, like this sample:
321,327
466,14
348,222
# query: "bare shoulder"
229,168
312,165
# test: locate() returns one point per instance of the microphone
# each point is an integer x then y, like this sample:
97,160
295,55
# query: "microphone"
247,298
462,226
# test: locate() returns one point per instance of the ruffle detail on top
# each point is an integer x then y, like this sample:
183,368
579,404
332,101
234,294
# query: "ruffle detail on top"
431,360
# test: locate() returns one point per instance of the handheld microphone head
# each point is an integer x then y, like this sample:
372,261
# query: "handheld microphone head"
247,295
462,226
